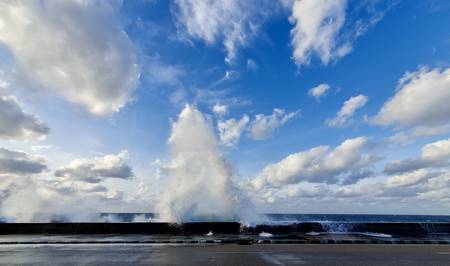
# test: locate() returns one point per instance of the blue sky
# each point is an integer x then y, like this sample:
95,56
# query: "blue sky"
96,90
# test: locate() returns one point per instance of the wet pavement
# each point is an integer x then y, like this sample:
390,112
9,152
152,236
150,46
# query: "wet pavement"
232,254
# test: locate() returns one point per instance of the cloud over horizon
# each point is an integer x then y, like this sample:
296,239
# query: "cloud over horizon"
319,164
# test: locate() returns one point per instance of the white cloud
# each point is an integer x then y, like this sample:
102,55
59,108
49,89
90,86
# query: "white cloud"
348,109
440,181
220,109
233,22
422,98
306,190
289,193
410,135
19,163
164,74
359,189
316,28
435,154
319,91
319,164
322,29
407,179
15,123
438,188
230,130
263,126
38,148
81,54
97,169
435,195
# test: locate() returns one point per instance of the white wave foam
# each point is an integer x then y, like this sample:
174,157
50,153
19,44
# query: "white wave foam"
264,234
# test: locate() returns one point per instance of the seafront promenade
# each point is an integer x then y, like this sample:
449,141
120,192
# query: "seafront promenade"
213,254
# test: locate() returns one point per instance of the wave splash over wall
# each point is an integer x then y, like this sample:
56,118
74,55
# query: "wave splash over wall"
201,186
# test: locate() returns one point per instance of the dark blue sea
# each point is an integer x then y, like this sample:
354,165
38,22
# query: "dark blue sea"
297,218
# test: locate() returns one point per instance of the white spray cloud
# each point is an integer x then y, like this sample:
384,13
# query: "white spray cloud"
28,194
200,186
30,199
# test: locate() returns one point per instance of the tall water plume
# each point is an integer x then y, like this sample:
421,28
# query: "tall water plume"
201,186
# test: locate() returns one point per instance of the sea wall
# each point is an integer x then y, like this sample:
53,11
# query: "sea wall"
392,228
119,228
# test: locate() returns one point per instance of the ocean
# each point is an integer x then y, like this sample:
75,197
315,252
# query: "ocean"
278,218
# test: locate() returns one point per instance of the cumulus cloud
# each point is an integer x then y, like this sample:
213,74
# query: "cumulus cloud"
232,22
263,126
230,130
19,163
97,169
302,190
421,98
407,179
15,123
319,91
437,188
319,164
322,29
359,189
435,154
306,190
410,135
348,109
82,54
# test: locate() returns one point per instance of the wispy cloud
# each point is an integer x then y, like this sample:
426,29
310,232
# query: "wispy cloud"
348,109
232,22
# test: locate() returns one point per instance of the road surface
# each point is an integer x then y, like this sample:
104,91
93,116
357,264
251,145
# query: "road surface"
267,254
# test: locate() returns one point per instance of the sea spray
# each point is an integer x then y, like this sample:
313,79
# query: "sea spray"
201,187
30,200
